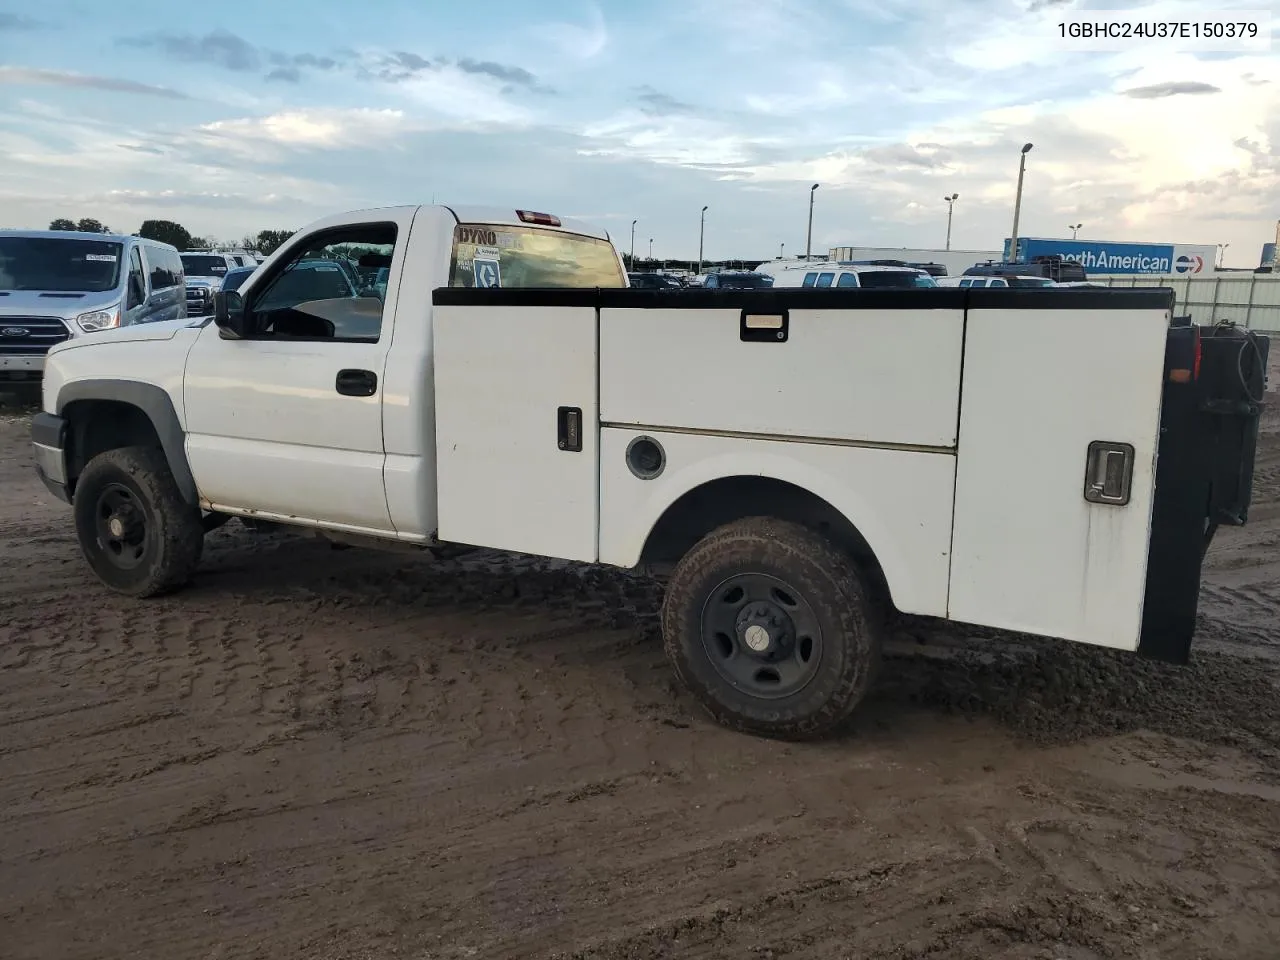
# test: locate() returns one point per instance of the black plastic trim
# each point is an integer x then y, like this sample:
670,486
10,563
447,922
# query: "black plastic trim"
801,298
157,405
49,431
59,490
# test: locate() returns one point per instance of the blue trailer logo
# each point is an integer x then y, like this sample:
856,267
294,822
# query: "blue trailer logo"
1121,258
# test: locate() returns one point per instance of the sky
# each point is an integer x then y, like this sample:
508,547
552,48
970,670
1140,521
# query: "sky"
231,118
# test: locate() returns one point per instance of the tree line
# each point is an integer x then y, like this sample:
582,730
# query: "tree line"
167,231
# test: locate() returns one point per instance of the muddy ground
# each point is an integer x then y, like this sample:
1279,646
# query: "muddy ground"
330,754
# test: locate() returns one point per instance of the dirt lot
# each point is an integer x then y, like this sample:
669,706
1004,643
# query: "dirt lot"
342,754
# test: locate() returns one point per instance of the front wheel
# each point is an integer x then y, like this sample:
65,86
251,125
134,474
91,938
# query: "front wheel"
135,530
771,627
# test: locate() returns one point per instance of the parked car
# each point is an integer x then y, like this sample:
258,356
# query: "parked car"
205,271
57,284
993,282
1052,268
654,281
234,278
738,280
822,275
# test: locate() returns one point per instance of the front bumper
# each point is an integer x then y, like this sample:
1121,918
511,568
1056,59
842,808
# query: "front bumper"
20,367
49,445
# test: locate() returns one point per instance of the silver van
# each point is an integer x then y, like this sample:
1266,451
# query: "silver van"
57,284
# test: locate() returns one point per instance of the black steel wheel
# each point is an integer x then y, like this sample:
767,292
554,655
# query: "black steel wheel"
771,627
135,530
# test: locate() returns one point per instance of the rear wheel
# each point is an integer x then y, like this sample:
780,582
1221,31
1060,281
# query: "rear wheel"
135,530
771,627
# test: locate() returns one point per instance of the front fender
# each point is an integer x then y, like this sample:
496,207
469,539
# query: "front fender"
159,408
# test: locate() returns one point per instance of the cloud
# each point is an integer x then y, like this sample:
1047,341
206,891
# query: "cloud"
180,198
655,103
308,128
16,21
401,65
1173,88
1037,5
62,78
219,47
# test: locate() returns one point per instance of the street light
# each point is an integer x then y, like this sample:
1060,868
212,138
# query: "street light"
781,248
951,202
651,249
702,229
1017,203
1074,227
1222,254
633,243
808,244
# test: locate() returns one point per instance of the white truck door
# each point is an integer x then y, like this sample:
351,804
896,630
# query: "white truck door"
517,428
1030,551
288,423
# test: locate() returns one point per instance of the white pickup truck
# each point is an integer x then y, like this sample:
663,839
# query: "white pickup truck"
798,463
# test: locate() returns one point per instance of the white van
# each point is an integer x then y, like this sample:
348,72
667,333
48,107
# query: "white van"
990,282
824,275
58,284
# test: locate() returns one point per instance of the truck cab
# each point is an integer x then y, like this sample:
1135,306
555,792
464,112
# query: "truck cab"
800,465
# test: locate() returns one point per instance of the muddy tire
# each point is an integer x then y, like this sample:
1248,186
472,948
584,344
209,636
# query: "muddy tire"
772,628
135,530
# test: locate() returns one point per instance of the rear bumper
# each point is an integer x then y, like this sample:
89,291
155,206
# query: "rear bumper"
49,446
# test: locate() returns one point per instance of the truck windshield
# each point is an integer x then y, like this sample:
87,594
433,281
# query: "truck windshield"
59,265
490,255
197,266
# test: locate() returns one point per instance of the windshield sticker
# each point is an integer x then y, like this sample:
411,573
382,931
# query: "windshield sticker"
488,253
506,240
101,257
488,273
477,235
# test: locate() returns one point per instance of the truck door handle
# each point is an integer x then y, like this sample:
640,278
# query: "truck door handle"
1108,473
569,429
357,383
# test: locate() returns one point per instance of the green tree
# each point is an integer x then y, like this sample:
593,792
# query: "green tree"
269,240
90,225
62,223
166,231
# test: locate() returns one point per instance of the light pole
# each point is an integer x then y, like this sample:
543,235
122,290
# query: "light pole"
702,230
1222,254
808,244
1017,203
651,249
781,247
1074,227
951,202
633,243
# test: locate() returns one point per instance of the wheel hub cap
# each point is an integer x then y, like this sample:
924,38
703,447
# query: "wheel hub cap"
764,629
756,638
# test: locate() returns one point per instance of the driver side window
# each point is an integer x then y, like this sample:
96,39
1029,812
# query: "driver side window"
328,289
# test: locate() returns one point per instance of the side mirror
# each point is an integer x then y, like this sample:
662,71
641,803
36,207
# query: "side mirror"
229,315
